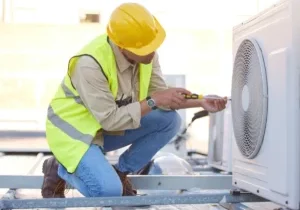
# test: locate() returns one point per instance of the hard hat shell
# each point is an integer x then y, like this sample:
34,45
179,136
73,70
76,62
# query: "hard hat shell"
134,28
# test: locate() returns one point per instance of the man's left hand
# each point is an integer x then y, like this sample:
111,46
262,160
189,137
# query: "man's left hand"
214,104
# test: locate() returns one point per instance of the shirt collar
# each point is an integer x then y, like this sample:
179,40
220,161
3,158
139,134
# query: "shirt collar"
122,63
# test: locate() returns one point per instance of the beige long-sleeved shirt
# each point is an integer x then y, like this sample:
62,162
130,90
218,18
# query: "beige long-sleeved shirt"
93,89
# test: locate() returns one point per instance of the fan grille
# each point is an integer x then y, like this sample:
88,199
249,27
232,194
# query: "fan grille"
249,98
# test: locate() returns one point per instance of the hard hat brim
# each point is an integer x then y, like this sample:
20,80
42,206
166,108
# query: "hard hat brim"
154,45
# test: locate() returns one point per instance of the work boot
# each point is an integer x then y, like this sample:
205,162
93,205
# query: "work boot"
53,186
145,170
127,186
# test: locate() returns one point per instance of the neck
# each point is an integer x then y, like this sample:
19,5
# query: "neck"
128,59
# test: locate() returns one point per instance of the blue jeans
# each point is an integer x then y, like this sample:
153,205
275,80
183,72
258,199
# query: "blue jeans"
95,177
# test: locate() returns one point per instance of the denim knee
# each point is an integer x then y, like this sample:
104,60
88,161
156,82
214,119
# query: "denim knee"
93,187
169,120
106,188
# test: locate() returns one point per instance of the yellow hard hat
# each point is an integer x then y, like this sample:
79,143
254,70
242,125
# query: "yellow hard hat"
134,28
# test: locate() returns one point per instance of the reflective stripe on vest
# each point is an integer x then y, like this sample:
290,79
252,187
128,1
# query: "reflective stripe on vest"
69,93
70,127
64,125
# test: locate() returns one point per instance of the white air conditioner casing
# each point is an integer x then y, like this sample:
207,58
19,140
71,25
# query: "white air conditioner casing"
220,139
265,104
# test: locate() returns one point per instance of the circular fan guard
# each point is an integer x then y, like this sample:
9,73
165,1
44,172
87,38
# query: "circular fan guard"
249,98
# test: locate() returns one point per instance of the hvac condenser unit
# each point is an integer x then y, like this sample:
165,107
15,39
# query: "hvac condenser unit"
220,139
265,104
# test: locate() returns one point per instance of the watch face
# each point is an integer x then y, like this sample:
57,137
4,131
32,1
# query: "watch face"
151,103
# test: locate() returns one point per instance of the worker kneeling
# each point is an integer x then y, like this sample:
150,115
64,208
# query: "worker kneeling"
113,95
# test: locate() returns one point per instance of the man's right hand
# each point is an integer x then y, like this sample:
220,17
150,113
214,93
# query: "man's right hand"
170,97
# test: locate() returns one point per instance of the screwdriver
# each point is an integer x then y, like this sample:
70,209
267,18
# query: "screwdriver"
193,96
197,96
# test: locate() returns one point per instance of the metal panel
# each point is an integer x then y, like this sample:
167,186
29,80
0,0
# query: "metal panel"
199,198
153,182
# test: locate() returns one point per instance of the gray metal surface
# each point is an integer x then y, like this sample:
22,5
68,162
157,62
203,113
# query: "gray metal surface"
175,207
235,206
24,150
11,193
18,165
199,198
155,182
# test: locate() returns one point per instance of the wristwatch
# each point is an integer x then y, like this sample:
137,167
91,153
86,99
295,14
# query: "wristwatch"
151,103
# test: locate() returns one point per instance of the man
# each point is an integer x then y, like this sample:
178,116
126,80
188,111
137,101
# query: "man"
110,98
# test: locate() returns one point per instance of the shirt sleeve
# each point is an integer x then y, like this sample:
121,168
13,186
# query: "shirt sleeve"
92,87
157,82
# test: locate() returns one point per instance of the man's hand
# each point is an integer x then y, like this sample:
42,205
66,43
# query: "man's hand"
171,97
214,104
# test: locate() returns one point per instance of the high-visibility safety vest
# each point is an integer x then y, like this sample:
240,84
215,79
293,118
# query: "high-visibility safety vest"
70,127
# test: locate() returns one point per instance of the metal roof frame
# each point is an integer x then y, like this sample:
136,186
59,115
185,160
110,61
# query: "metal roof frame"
215,188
